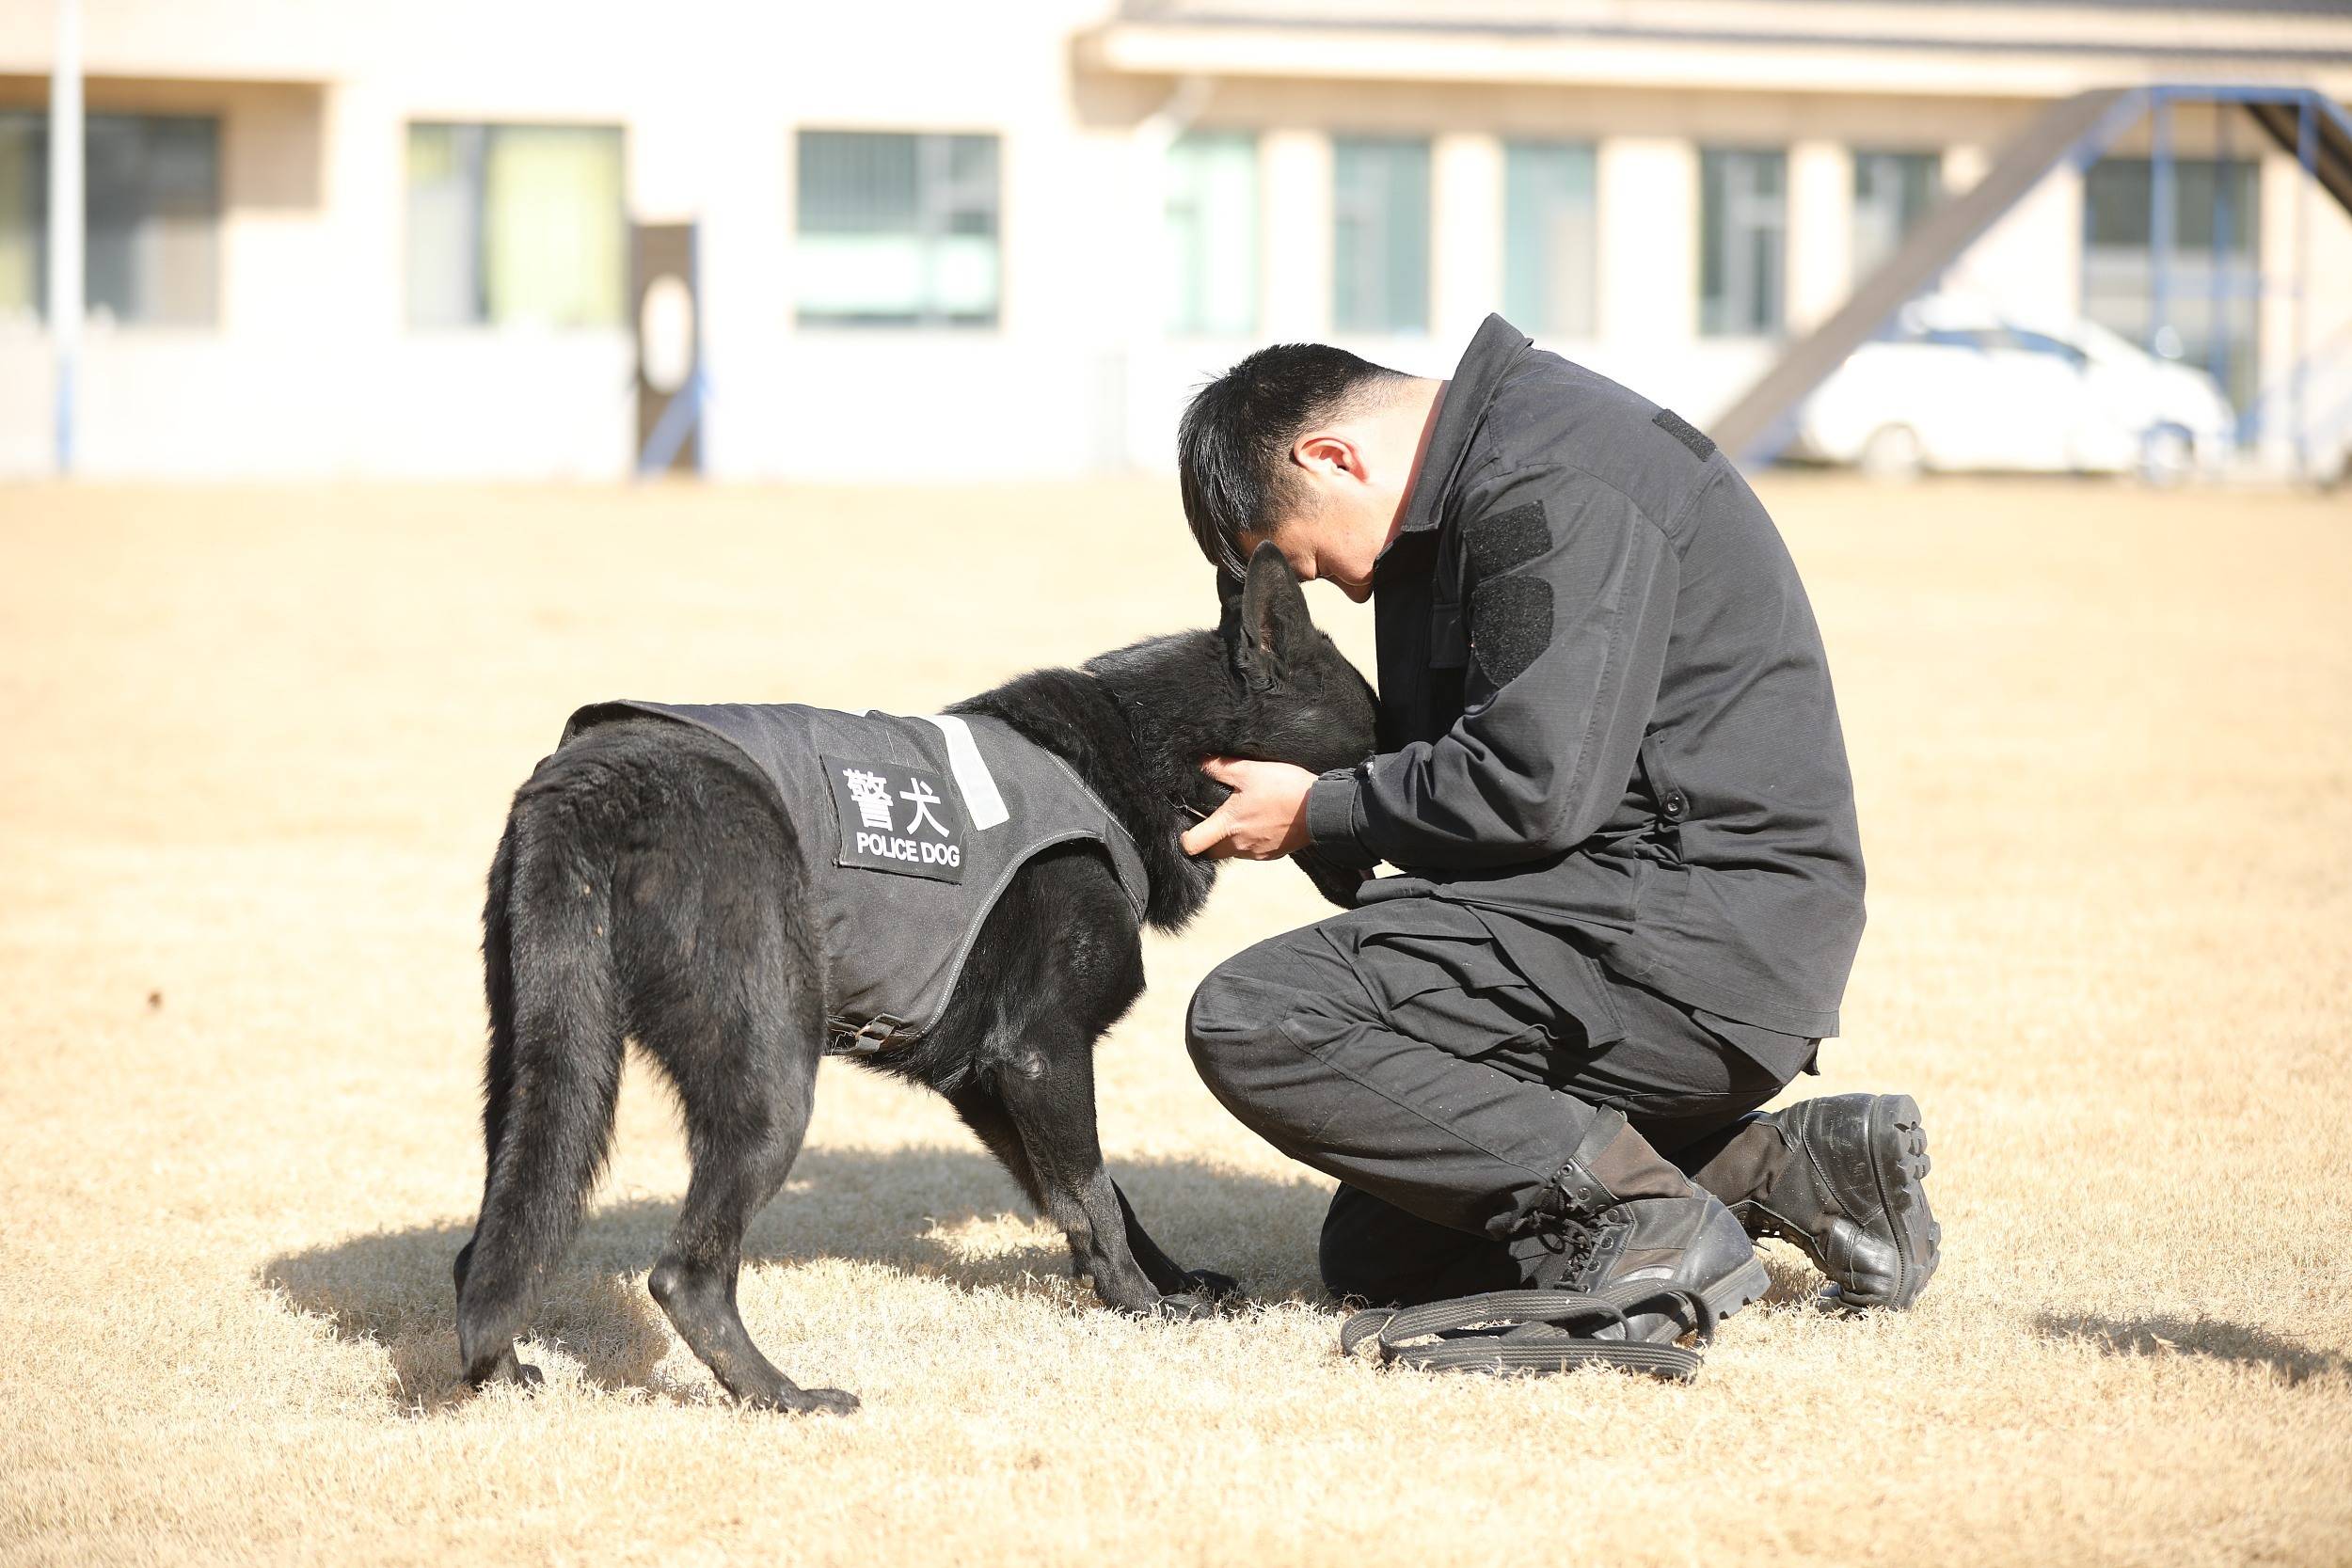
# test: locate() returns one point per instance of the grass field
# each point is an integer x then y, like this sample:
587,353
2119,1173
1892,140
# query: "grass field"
257,749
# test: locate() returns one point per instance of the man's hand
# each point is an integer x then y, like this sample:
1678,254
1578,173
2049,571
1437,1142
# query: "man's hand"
1263,819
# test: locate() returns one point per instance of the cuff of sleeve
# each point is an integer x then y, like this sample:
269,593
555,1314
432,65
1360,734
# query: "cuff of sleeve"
1333,827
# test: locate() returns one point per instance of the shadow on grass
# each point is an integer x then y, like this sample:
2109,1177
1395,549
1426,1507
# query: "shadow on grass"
2207,1337
901,1209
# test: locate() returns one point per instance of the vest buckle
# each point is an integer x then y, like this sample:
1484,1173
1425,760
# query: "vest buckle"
875,1035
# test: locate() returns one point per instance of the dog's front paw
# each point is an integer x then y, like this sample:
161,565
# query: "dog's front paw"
1206,1293
786,1395
1213,1286
506,1368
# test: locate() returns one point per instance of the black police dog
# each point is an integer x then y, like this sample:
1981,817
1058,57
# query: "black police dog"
646,888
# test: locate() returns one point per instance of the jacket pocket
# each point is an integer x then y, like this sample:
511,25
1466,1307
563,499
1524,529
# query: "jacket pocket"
1672,805
1460,994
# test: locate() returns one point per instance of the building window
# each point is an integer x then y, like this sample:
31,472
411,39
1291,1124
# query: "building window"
1551,238
1213,233
24,216
152,189
1379,235
1892,191
516,225
1743,238
897,230
2213,281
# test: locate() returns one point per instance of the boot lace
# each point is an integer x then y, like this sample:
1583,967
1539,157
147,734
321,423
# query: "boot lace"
1575,1241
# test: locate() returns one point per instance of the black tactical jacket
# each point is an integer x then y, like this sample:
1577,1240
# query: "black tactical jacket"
1606,716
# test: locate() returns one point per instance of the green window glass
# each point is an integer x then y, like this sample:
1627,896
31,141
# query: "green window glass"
1551,238
514,225
1743,240
1379,235
24,216
1213,233
896,229
152,193
1892,191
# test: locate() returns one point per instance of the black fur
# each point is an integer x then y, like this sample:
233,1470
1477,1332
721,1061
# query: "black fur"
647,887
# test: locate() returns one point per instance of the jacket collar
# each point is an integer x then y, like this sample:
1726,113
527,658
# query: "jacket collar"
1493,351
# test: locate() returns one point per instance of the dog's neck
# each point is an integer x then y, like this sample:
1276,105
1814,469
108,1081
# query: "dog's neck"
1133,725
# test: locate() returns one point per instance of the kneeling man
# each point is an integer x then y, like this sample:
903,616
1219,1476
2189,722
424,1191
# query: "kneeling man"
1611,777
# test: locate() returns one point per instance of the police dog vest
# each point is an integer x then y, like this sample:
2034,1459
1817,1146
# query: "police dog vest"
910,829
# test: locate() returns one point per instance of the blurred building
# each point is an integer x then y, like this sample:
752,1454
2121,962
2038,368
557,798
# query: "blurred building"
941,241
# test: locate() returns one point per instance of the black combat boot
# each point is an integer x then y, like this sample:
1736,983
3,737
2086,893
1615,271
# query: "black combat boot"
1850,1193
1623,1217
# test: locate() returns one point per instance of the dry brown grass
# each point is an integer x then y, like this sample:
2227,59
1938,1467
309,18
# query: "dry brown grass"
258,746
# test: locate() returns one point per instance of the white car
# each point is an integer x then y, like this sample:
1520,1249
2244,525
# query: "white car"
1959,386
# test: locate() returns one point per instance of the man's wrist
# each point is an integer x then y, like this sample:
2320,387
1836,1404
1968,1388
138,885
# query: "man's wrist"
1335,828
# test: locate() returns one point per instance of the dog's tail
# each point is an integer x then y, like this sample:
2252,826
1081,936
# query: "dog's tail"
557,1022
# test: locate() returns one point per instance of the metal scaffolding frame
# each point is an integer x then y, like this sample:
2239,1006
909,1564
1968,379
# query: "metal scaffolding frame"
2074,133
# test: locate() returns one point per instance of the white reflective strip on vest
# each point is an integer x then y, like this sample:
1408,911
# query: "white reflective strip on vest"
970,770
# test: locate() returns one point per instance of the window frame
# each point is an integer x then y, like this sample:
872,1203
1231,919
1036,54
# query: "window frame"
100,121
2117,278
1776,300
1590,306
934,212
1418,322
1931,158
485,131
1174,321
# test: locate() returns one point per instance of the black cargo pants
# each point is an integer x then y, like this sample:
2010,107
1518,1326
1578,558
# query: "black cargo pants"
1398,1048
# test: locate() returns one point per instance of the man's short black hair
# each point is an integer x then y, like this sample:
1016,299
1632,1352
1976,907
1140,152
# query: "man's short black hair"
1233,444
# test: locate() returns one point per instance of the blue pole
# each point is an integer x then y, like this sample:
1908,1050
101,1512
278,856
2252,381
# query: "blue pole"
670,431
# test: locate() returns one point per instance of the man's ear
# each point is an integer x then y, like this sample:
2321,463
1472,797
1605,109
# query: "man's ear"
1269,621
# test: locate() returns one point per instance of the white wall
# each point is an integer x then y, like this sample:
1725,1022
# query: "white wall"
159,405
312,370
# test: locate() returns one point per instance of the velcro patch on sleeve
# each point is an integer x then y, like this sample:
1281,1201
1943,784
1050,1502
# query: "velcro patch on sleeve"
1510,625
1496,544
1685,431
899,819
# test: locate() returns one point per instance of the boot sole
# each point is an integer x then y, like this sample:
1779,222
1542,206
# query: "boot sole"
1738,1287
1748,1282
1899,1148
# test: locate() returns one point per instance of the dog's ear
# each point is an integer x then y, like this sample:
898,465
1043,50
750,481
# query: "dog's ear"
1229,614
1228,606
1268,621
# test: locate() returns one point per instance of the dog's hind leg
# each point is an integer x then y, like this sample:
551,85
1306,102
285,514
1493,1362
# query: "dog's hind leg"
746,1097
735,1015
554,1073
